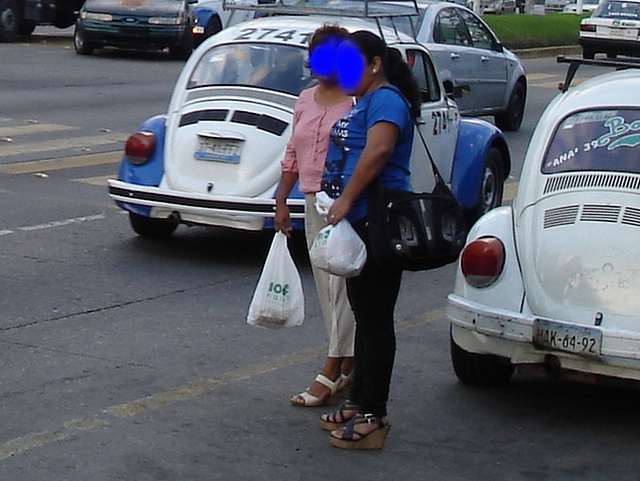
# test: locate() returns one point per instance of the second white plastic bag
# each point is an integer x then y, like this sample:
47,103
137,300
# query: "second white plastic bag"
337,249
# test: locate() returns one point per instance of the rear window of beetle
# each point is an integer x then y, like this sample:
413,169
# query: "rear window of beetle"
597,140
271,66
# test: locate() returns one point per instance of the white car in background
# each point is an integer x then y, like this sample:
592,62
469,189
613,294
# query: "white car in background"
613,29
587,6
553,281
214,158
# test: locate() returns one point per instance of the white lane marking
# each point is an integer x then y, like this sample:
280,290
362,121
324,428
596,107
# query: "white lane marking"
55,223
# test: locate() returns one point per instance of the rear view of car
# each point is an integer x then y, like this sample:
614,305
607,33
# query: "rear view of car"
613,29
552,283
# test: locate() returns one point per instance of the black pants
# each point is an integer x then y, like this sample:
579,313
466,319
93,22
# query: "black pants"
373,295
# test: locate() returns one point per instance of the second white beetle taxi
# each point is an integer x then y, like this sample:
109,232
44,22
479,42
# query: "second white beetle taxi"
554,280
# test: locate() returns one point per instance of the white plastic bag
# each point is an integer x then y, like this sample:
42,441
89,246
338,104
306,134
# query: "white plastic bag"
337,249
278,300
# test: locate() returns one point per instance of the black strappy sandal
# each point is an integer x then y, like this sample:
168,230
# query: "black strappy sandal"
349,438
339,418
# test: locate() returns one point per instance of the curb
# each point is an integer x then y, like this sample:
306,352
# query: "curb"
548,51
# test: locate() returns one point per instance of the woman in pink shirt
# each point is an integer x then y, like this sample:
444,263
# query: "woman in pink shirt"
316,110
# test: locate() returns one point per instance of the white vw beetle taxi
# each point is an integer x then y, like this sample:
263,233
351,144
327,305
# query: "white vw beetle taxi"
553,282
214,158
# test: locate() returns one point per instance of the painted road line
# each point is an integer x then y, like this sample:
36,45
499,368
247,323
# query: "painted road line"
34,166
99,181
14,148
8,132
181,393
509,192
55,223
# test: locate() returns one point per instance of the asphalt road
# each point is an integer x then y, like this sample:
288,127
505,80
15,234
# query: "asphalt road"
124,359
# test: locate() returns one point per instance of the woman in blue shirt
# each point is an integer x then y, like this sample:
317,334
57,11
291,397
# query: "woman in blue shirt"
373,141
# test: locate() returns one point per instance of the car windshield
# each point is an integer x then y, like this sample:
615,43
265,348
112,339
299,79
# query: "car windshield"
270,66
603,140
619,10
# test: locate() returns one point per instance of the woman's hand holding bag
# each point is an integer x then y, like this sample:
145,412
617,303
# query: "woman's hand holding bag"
278,300
337,249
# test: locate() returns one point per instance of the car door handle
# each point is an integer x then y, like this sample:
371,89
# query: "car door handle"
484,58
454,56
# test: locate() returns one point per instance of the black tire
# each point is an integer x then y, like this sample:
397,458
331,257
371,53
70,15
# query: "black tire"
612,56
511,120
480,369
152,228
80,44
214,26
491,187
588,53
184,49
10,20
26,28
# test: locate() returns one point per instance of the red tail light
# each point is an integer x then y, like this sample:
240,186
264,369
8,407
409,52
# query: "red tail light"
139,147
587,28
482,261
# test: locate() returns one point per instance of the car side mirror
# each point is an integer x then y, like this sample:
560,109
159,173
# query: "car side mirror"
499,47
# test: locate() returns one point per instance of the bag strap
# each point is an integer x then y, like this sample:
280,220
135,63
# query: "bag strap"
434,167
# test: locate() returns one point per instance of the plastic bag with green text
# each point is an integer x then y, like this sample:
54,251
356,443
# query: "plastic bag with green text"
278,300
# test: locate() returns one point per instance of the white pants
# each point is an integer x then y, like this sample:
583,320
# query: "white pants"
332,292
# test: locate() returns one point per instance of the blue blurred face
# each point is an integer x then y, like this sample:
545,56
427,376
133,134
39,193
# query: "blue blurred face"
338,60
350,67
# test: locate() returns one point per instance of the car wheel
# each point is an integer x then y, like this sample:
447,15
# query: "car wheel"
612,56
587,53
480,369
81,45
153,228
491,187
9,20
182,51
511,120
26,27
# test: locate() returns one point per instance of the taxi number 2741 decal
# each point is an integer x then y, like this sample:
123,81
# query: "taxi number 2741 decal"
300,37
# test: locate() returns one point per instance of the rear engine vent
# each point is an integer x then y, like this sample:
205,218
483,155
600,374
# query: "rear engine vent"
631,216
592,180
203,115
600,213
560,216
261,121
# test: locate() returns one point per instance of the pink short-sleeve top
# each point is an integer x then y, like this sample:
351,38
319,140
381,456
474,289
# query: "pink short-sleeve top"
307,148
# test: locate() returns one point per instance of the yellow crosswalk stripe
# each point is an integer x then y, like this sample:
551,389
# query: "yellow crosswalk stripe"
34,129
13,148
62,163
100,180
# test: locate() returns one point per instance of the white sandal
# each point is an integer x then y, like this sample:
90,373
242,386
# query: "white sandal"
305,399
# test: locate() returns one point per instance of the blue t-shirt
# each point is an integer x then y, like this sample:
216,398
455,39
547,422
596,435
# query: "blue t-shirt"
349,136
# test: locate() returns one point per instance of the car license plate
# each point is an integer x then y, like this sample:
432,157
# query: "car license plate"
582,340
623,33
219,150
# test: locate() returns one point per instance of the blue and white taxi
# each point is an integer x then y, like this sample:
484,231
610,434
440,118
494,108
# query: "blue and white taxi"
214,158
552,283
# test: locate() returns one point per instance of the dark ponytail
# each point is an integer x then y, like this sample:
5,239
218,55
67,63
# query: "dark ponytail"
399,74
395,68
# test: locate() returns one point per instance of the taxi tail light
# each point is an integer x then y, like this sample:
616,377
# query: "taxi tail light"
139,147
587,28
482,261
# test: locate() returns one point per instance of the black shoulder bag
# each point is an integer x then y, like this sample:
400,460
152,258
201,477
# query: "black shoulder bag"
415,231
